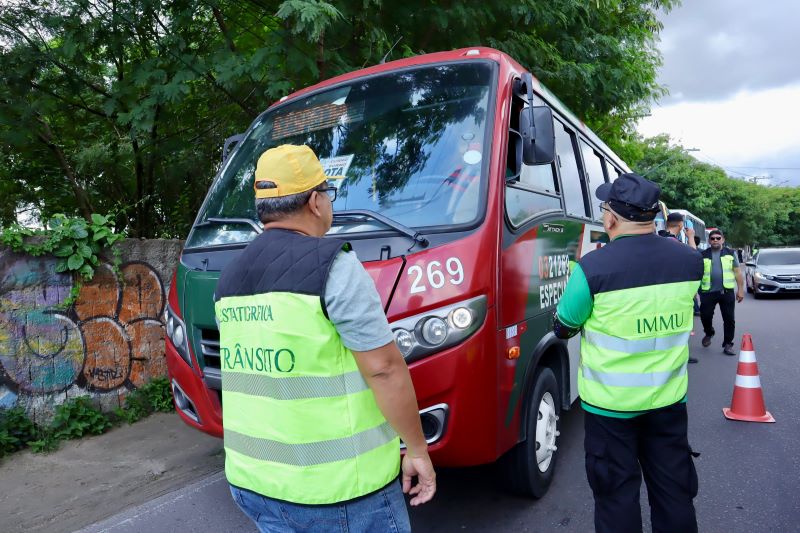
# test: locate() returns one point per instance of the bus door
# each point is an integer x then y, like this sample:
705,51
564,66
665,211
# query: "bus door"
545,215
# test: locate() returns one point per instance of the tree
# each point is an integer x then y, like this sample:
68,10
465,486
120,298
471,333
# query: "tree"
746,212
107,104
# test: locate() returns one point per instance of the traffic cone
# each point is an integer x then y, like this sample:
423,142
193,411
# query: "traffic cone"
747,403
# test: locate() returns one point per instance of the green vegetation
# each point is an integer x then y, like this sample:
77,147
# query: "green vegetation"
103,101
78,417
152,397
76,243
16,430
746,212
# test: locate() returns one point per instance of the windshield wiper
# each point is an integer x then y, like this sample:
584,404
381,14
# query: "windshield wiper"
400,228
218,221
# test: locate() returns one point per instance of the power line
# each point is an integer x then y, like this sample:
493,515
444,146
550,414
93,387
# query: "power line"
729,169
769,168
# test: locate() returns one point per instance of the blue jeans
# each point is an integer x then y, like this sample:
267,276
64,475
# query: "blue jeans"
381,511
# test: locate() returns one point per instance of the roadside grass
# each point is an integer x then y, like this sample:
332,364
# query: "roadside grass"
79,417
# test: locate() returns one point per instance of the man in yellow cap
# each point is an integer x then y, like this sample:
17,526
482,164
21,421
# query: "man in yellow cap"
315,391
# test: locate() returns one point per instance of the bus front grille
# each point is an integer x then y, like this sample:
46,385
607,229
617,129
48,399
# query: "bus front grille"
209,344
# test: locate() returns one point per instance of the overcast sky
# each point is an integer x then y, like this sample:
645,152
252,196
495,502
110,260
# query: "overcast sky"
733,71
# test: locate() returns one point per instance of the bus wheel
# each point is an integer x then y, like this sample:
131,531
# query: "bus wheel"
530,464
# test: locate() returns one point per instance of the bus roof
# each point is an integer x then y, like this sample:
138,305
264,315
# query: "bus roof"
462,54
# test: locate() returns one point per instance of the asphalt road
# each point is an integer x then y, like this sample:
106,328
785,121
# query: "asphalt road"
749,473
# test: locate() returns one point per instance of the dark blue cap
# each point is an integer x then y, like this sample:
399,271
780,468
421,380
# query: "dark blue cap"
631,196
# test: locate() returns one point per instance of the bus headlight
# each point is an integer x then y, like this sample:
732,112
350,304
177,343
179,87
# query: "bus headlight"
461,318
426,333
176,333
434,331
404,341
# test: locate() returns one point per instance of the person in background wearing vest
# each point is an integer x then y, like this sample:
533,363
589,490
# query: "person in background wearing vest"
721,274
633,301
314,388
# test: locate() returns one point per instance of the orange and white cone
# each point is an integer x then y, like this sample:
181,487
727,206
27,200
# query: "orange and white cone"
747,403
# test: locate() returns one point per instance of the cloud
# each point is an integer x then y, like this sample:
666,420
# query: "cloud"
748,129
716,48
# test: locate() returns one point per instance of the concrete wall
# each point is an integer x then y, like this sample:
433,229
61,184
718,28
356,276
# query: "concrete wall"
108,343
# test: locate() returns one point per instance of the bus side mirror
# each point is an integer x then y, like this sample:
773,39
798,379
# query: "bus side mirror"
538,135
230,143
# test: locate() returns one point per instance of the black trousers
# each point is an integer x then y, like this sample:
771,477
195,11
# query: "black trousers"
727,305
619,450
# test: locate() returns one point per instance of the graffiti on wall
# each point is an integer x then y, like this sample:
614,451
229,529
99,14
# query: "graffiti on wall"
110,340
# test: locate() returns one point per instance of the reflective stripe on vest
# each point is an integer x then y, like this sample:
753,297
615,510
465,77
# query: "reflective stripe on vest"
728,275
634,348
295,388
311,453
631,346
300,422
619,379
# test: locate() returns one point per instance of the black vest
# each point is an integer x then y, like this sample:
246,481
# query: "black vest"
723,251
640,261
281,260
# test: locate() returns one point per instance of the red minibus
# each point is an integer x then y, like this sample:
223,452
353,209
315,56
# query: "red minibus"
468,190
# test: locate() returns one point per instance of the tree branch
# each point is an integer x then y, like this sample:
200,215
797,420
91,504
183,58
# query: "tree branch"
67,100
46,136
223,28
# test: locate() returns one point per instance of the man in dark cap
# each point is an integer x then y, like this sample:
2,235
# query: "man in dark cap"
632,300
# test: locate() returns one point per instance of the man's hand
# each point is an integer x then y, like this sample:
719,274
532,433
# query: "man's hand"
739,295
422,468
689,232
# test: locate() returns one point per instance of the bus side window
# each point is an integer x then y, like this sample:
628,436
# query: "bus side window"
536,188
571,181
593,164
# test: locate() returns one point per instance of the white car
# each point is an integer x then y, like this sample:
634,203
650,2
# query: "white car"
774,271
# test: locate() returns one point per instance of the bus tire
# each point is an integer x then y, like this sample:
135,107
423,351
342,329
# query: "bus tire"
529,466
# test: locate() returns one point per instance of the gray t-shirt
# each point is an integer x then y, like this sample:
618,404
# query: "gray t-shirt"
716,269
354,306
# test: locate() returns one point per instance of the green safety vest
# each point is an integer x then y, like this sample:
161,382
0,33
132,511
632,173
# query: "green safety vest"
728,275
634,347
300,422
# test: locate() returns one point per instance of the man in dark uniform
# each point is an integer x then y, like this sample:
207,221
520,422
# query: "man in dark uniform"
632,300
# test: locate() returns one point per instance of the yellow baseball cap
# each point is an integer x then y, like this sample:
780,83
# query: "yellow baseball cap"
287,170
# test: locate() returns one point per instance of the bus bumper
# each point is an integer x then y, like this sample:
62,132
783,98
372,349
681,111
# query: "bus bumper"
456,393
195,403
460,383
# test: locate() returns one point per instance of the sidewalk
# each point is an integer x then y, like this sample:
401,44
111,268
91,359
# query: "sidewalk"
88,480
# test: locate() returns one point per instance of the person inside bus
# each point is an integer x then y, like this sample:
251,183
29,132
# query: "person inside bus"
631,299
467,168
316,391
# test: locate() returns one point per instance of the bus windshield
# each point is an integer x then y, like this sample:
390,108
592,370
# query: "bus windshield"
410,145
